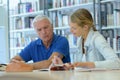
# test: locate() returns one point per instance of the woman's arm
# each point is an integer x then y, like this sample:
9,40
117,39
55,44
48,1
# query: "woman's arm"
111,58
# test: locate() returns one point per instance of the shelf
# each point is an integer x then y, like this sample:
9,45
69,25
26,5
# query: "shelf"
117,52
17,48
111,27
117,9
105,1
22,30
27,14
61,28
32,29
85,5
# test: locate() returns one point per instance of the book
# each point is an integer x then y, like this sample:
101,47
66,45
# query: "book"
110,19
3,67
24,7
18,23
103,15
79,69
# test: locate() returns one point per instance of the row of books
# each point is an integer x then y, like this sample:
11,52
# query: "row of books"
113,41
22,23
37,5
62,3
30,6
107,14
108,35
71,38
25,7
59,19
118,13
21,40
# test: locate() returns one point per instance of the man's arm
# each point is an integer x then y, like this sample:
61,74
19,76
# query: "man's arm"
18,66
46,63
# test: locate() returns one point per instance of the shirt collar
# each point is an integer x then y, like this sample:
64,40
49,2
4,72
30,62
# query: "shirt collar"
39,41
88,39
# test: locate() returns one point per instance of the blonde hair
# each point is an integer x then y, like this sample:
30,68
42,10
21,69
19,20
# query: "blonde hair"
82,17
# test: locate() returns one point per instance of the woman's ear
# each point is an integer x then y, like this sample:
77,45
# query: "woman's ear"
86,27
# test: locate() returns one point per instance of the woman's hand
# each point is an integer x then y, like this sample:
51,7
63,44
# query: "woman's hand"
57,65
69,66
84,64
77,64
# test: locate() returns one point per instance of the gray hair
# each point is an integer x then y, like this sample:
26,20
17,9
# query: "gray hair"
41,17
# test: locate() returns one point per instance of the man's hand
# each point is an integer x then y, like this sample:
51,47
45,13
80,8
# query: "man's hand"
58,65
16,58
18,66
57,60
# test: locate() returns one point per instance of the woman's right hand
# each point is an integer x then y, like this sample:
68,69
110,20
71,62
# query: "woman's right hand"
69,66
58,64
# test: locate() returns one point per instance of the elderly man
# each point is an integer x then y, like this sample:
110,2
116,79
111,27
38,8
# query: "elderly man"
42,50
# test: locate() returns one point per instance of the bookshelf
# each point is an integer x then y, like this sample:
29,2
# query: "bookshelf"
21,34
110,13
20,19
60,12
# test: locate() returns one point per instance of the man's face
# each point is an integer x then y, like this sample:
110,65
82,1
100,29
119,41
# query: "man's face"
44,30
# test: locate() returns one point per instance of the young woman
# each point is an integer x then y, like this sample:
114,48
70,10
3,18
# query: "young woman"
94,51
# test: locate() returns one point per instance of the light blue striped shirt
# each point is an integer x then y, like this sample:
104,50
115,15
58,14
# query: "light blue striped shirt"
97,50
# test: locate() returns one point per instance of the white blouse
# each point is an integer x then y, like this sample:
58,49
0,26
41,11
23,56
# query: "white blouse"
83,58
98,51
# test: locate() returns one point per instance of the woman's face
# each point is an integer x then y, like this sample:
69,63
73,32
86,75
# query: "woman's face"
75,29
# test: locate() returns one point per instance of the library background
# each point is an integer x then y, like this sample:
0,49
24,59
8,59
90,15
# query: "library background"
16,18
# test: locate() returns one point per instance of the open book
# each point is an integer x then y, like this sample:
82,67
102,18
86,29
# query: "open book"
55,67
93,69
2,67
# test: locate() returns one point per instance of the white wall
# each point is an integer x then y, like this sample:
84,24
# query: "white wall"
4,50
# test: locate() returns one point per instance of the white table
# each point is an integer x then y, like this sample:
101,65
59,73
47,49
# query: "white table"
61,75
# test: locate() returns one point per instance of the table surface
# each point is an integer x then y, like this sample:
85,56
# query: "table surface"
61,75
